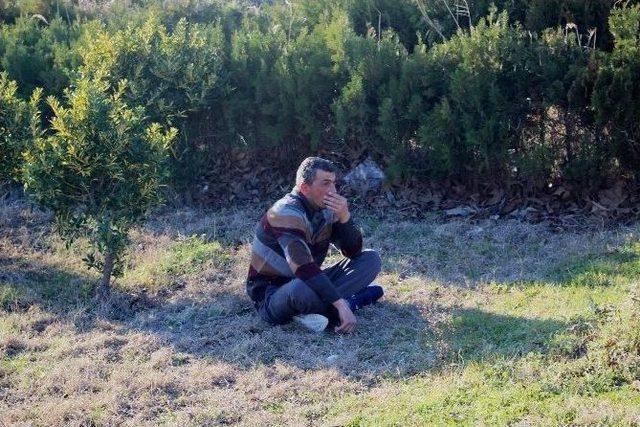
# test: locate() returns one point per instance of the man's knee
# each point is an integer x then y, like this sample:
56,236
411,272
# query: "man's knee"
289,300
304,299
372,260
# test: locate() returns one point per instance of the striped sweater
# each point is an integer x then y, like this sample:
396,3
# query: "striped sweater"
291,240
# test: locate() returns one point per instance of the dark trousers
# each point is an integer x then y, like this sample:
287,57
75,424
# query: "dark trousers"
295,297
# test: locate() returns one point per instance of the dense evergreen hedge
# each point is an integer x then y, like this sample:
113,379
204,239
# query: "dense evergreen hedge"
475,90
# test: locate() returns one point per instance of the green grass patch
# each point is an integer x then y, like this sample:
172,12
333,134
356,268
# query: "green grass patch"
610,269
14,365
48,285
561,352
549,300
9,296
184,258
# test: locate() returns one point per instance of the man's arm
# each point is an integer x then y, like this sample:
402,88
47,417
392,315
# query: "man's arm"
345,234
347,237
305,268
347,318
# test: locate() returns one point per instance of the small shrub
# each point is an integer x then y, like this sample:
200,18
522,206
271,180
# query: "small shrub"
99,171
16,119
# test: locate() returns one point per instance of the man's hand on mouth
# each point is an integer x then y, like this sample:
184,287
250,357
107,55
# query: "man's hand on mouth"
339,205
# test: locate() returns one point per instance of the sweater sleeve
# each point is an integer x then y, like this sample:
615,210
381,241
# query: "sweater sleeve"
347,237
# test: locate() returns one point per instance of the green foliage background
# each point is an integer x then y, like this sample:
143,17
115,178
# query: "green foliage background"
525,90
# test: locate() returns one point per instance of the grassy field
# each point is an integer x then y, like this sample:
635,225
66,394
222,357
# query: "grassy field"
484,323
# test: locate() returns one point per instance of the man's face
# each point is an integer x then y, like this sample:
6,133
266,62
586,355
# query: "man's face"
323,184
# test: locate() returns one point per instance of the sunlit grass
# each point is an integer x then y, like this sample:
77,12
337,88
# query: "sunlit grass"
159,267
551,353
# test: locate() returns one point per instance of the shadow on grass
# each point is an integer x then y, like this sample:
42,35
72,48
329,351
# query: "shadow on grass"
66,295
598,269
601,270
475,335
24,283
393,340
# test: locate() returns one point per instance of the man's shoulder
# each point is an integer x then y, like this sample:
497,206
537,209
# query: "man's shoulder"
288,214
287,205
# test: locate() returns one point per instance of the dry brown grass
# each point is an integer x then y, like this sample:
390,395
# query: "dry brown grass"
192,352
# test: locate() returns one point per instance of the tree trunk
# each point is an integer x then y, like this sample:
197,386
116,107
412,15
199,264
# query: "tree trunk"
569,130
104,288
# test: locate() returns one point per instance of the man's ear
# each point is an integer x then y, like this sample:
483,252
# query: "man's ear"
304,188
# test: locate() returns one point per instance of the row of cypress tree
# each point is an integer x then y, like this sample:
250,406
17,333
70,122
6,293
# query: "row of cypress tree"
436,89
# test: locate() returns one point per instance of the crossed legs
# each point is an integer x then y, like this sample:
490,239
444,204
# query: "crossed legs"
295,297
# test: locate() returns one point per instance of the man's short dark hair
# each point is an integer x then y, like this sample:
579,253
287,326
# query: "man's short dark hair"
309,166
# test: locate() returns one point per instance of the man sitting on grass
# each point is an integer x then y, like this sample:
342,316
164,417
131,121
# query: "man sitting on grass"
292,238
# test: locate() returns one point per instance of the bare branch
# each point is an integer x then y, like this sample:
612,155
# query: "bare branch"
425,15
446,4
